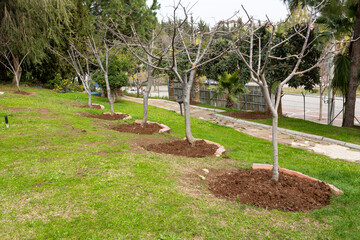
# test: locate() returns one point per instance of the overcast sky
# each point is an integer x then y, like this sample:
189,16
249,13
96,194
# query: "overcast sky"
214,10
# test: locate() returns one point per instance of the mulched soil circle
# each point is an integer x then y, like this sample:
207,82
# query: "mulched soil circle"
93,106
106,116
21,92
183,148
290,193
148,128
248,115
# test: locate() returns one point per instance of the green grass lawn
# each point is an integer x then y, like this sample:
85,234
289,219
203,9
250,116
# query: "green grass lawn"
59,181
351,135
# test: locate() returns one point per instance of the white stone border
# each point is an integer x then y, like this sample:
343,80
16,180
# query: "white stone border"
101,106
220,149
164,128
119,113
333,189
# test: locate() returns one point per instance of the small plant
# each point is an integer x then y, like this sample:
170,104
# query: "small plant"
65,85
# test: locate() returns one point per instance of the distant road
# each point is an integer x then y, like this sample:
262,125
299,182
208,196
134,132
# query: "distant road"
293,106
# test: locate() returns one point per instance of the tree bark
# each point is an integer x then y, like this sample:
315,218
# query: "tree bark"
275,118
197,90
187,84
188,134
354,75
17,73
171,88
89,100
274,129
321,103
229,102
280,108
146,96
109,95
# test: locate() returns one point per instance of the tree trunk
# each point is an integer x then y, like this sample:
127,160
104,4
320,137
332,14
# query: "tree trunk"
89,100
171,88
109,95
17,74
188,133
229,102
197,90
275,118
146,96
137,92
85,79
354,75
280,108
321,103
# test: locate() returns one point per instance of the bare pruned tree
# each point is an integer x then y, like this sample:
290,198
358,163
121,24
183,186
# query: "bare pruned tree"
103,51
82,69
187,49
150,52
258,63
12,62
80,62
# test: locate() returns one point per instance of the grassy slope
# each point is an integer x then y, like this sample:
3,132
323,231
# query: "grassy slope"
59,182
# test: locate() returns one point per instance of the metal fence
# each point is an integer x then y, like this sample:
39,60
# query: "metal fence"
253,100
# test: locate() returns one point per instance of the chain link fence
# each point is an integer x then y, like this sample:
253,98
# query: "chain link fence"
253,100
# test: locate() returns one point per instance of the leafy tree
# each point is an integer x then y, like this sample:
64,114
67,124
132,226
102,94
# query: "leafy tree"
117,72
27,28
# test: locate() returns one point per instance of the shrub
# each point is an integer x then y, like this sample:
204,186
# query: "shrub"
65,85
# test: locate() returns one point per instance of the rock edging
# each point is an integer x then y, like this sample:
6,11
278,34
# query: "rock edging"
333,189
164,128
101,106
220,149
119,113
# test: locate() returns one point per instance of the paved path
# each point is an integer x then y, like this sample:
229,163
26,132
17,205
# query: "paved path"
329,147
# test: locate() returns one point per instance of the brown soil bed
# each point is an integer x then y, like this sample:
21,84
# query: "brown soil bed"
149,128
106,116
290,193
93,106
248,115
183,148
21,92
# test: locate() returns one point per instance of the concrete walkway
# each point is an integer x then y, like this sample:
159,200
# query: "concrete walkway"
318,144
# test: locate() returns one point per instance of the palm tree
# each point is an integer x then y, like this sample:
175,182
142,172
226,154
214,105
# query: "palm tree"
229,85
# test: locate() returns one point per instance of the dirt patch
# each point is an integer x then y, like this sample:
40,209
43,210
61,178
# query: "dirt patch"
248,115
148,128
106,116
93,106
290,193
183,148
21,92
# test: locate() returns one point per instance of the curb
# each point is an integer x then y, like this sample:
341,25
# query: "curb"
296,133
333,189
